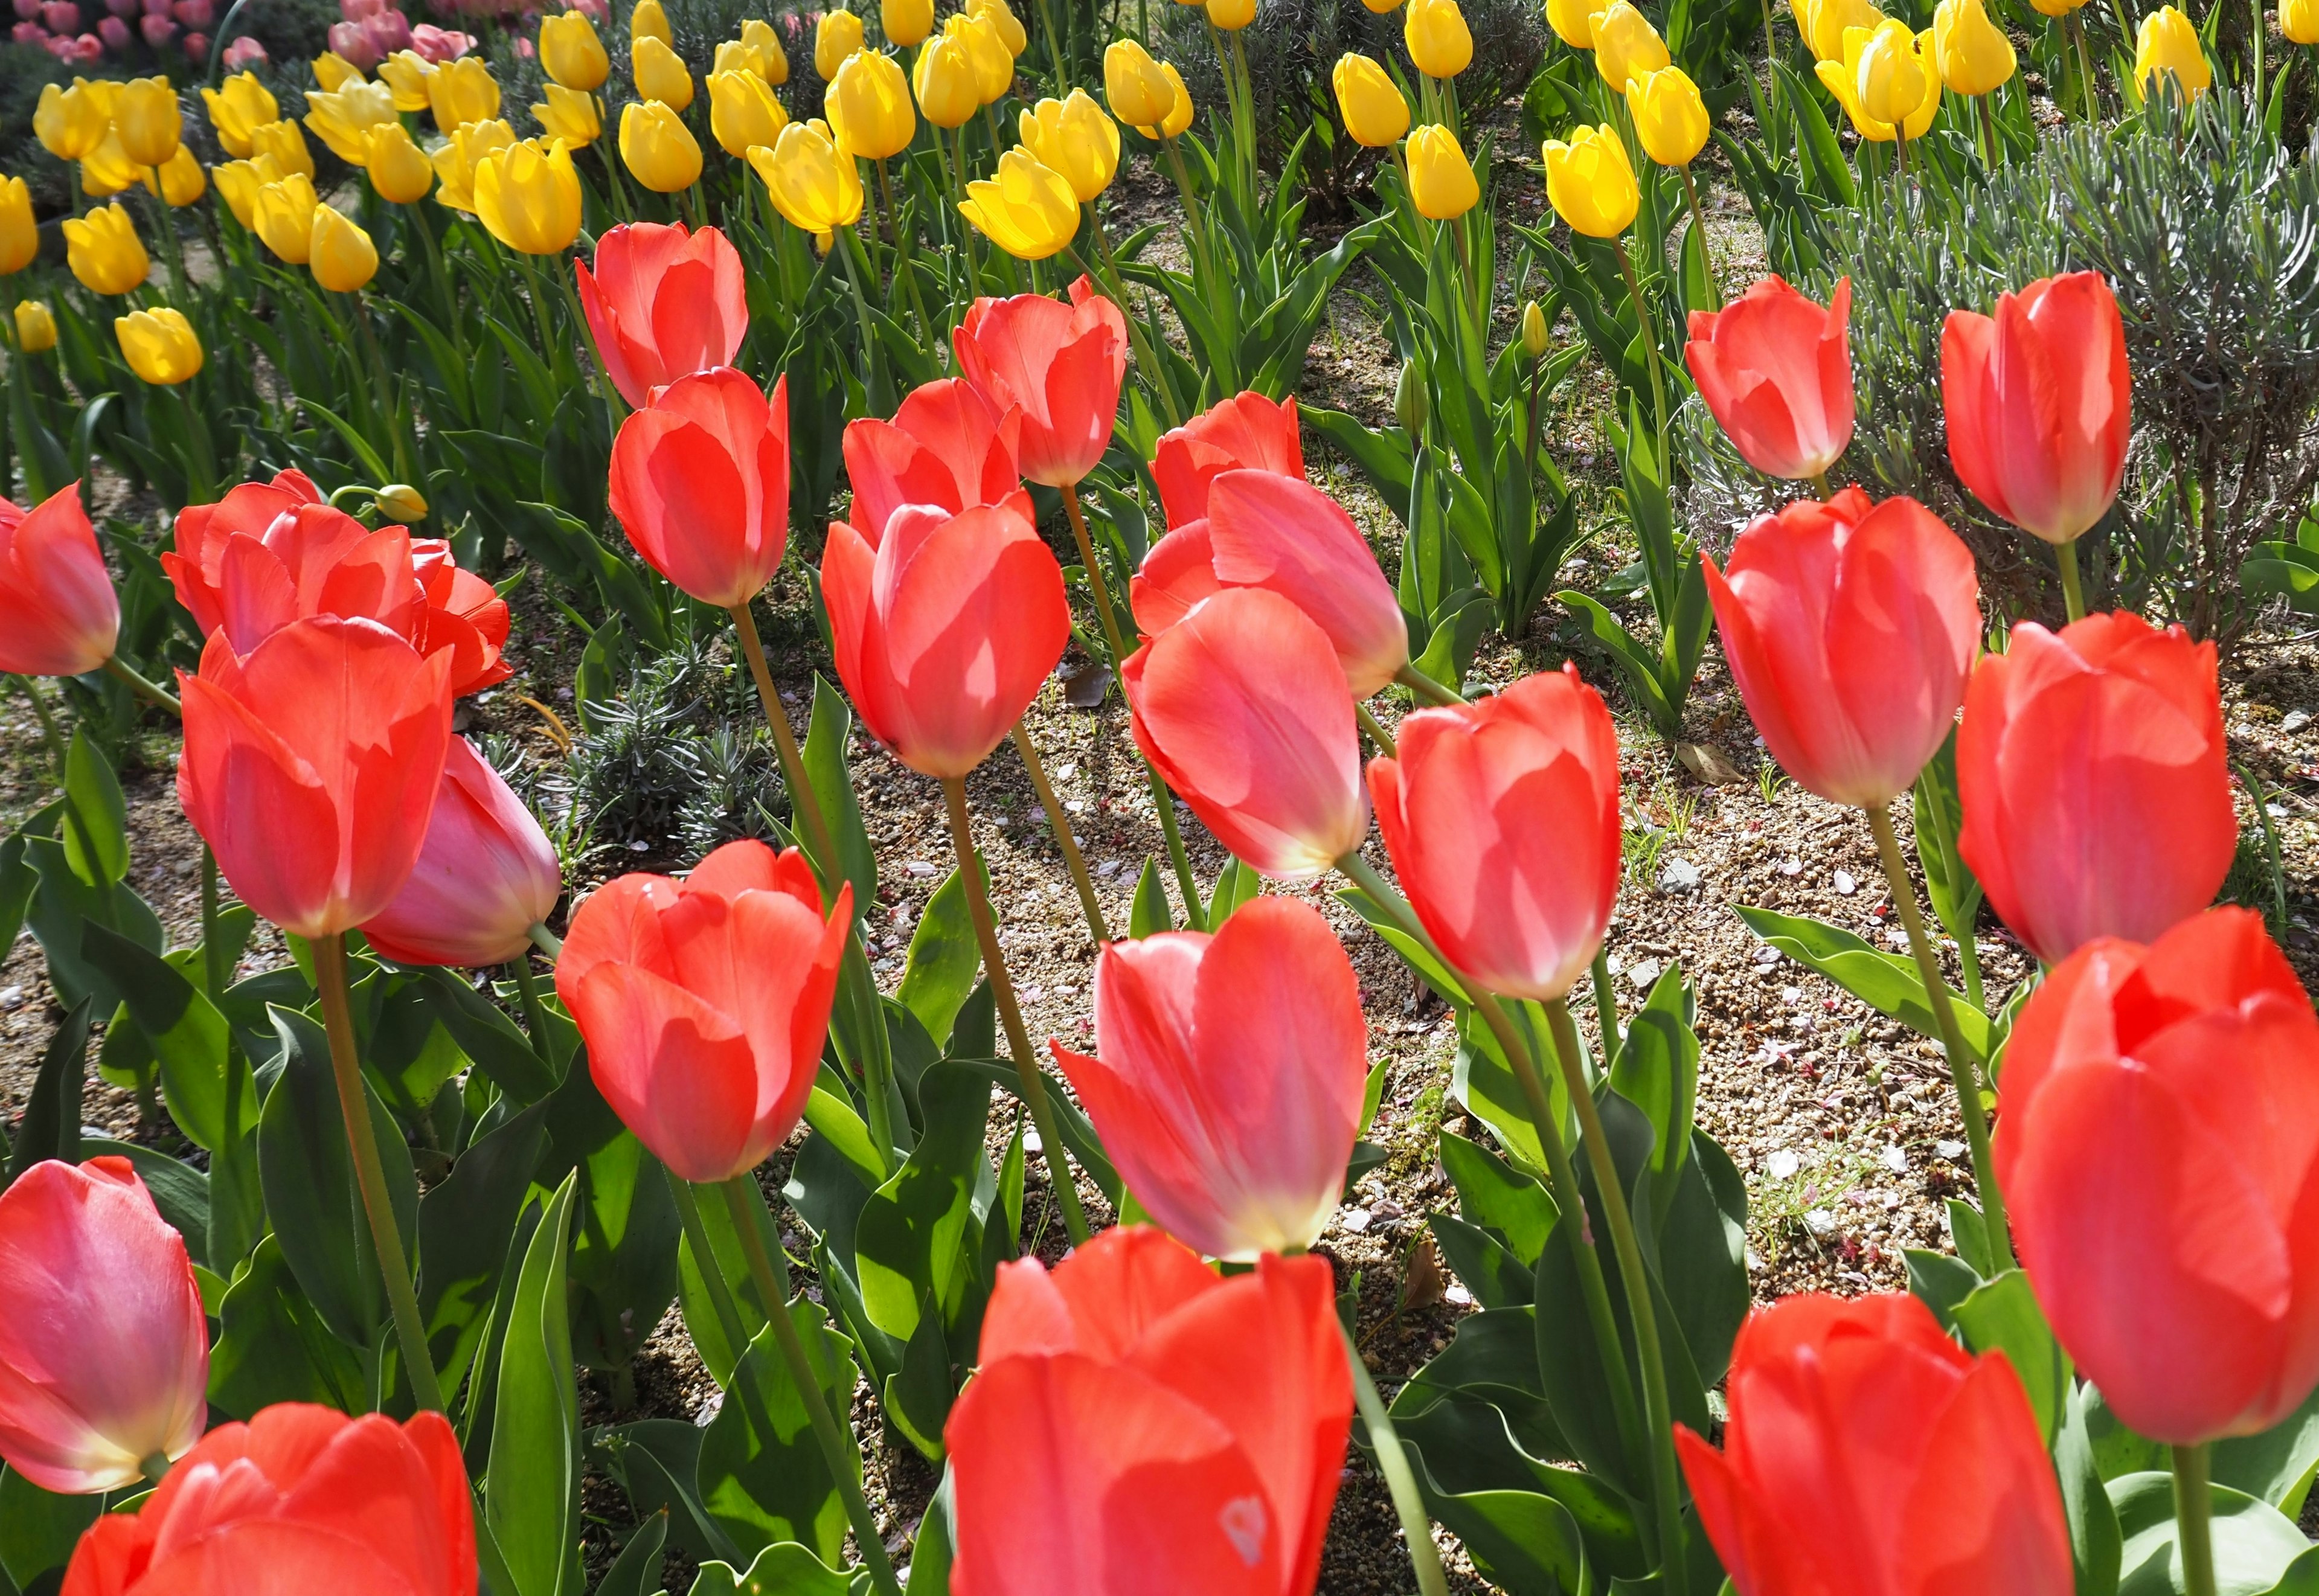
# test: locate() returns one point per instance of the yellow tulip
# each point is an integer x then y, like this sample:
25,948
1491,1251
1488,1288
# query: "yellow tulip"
2299,21
1589,181
285,144
241,103
238,181
649,20
182,181
1075,140
2056,7
569,115
658,148
159,345
868,104
1437,36
1375,110
1180,113
1670,118
1026,209
145,114
1536,336
1572,21
810,181
1972,53
462,91
838,36
944,81
343,121
743,110
2168,43
1886,82
406,72
36,327
1232,15
457,157
400,502
1626,45
1440,178
529,201
1381,7
1007,25
994,69
104,251
660,74
773,61
107,170
20,235
1139,91
570,54
1823,24
332,72
400,170
906,21
285,217
71,122
732,56
340,254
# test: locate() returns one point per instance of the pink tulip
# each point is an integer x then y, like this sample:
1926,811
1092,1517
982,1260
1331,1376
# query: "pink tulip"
486,877
199,13
62,16
1247,432
59,616
27,10
946,447
662,303
350,44
244,53
701,482
196,46
438,45
29,33
1061,365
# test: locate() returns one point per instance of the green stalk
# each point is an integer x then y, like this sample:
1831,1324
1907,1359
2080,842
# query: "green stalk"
49,732
1408,1502
1434,692
1650,346
535,1012
1699,221
155,696
2073,592
902,267
2193,1510
1060,822
1606,1005
1377,733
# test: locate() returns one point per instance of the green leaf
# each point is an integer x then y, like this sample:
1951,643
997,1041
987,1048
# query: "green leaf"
94,828
274,1348
487,1036
1658,1070
1939,1282
654,1462
186,1033
531,1488
623,1262
762,1487
1497,1278
918,1397
62,903
919,1237
782,1569
1886,982
944,960
1493,1193
824,754
1150,913
2002,1315
717,1353
1236,884
2254,1542
1481,1081
39,1528
465,1224
2093,1522
636,1572
51,1127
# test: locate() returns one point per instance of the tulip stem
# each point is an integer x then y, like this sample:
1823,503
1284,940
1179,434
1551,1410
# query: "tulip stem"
2073,592
1961,1068
370,1173
1606,1006
1061,824
1002,992
1650,348
1393,1462
1377,733
1417,681
803,800
720,1295
534,1012
546,940
1820,486
902,267
49,732
844,1459
155,1467
1699,221
143,689
2194,1509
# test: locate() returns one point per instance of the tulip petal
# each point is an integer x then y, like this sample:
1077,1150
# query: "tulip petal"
1284,534
679,1073
1178,572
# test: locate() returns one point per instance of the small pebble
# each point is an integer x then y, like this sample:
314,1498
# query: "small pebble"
1820,1223
11,997
1356,1220
1792,866
2297,719
1845,884
1680,876
919,868
1644,972
1949,1150
1782,1165
1896,1160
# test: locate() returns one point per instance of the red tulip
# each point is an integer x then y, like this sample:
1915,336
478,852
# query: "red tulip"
1502,818
944,627
2094,788
705,1001
1247,432
1061,365
105,1356
299,1499
1229,1085
1242,708
2158,1140
1140,1424
1849,630
662,303
1776,370
486,877
1868,1454
247,510
59,616
946,447
701,480
311,766
1280,532
2039,402
464,614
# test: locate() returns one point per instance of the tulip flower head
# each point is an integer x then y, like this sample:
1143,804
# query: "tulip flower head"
659,72
20,234
570,53
239,182
568,116
1058,365
758,37
340,254
743,113
58,615
398,169
241,103
657,148
1572,21
987,52
332,72
159,345
407,73
1008,26
286,144
1887,82
343,121
662,303
36,330
837,36
648,20
1776,370
1437,38
529,202
284,217
1626,45
701,482
2168,41
1229,1081
104,251
107,170
1138,1420
1027,210
1232,15
462,91
1972,53
906,22
1074,138
1245,432
146,117
71,122
946,447
811,183
1824,23
456,158
2094,782
1589,181
868,104
943,80
1179,111
486,875
2298,20
1441,182
1375,110
1140,93
1937,1455
1670,118
182,179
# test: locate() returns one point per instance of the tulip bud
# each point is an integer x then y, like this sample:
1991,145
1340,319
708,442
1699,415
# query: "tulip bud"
1972,53
1140,93
104,251
1437,36
1626,45
1027,210
838,36
868,104
145,114
570,53
285,217
2168,41
1411,404
657,148
944,78
1670,118
340,255
1375,111
20,235
649,20
159,345
1535,334
1590,183
743,112
400,502
36,330
1076,139
399,169
1441,182
907,22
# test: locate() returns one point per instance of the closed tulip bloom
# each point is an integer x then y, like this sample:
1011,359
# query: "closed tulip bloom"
1179,111
1375,111
1972,53
239,182
1776,370
1005,23
1824,22
1572,21
1138,1422
457,156
1245,432
486,877
1437,36
1232,15
36,327
145,114
572,54
1589,181
2038,401
104,251
462,91
701,482
1670,118
71,122
2095,783
407,73
301,1498
340,255
2168,41
946,447
837,36
286,144
743,112
868,104
59,616
994,64
657,148
529,202
1026,209
1441,182
398,169
332,72
662,303
310,765
241,103
648,20
773,61
182,179
1074,138
104,1354
2298,20
660,73
107,170
2158,1137
284,217
1626,45
1059,365
159,345
1228,1086
343,121
1886,82
1243,708
1502,818
811,184
1138,91
568,115
943,80
944,628
906,22
1868,1453
20,235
